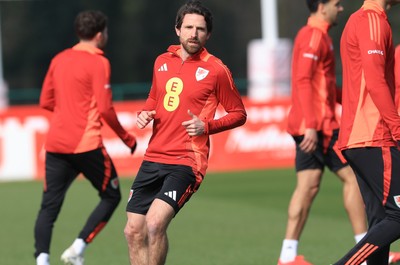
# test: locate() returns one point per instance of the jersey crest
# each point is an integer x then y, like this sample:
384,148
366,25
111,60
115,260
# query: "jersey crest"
397,200
201,73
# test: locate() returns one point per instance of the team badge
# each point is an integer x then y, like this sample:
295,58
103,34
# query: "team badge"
130,195
201,73
114,183
397,200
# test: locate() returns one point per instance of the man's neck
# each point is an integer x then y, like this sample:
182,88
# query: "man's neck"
90,42
184,54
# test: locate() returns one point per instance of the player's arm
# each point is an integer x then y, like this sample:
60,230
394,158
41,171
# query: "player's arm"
47,99
307,63
373,57
103,94
231,101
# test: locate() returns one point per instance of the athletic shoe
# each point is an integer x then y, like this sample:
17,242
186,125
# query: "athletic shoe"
70,257
394,257
299,260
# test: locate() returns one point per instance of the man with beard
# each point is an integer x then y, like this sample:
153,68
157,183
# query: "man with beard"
188,84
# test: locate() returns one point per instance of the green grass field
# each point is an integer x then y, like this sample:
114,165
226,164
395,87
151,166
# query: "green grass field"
235,218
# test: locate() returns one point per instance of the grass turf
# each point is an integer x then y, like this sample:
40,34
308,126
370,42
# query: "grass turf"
236,218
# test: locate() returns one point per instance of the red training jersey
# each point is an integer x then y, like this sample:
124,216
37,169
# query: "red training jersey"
369,116
197,84
313,80
77,90
397,75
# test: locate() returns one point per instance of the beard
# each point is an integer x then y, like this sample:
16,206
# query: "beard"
191,46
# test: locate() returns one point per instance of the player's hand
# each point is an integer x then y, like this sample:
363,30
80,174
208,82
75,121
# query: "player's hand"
309,143
144,118
194,126
130,141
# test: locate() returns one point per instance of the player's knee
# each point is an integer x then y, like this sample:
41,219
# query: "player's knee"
117,198
113,199
134,232
313,191
155,226
308,192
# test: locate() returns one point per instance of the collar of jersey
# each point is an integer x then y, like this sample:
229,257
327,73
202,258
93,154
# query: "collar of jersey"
318,23
87,48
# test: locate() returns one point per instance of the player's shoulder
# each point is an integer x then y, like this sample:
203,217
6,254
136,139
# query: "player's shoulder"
370,16
365,21
309,38
307,31
310,33
63,53
163,61
165,56
213,61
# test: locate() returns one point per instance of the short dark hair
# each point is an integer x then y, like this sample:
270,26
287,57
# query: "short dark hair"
313,4
89,23
194,7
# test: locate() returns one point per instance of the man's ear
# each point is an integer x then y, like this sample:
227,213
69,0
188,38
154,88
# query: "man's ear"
98,36
321,8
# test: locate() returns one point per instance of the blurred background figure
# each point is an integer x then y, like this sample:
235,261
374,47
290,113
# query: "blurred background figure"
313,124
77,90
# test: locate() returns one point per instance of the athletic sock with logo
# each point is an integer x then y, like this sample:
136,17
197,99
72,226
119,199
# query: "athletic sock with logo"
289,250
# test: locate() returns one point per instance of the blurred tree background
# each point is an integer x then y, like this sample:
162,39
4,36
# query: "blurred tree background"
33,31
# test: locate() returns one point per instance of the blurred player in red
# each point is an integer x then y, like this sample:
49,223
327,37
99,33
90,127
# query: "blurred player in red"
313,124
188,84
77,90
370,127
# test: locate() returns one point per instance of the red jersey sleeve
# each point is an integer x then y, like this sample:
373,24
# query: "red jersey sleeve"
103,94
47,97
230,100
373,58
307,62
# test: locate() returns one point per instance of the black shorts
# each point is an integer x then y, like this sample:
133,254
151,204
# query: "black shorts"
173,184
95,165
326,154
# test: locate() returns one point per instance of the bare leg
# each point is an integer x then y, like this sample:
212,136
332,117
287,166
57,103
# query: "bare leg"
352,200
307,187
147,234
158,219
308,182
136,237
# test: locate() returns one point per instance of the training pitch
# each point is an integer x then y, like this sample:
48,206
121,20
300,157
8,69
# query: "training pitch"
236,218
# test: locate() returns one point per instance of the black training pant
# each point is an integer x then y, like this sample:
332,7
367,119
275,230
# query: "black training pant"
61,171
